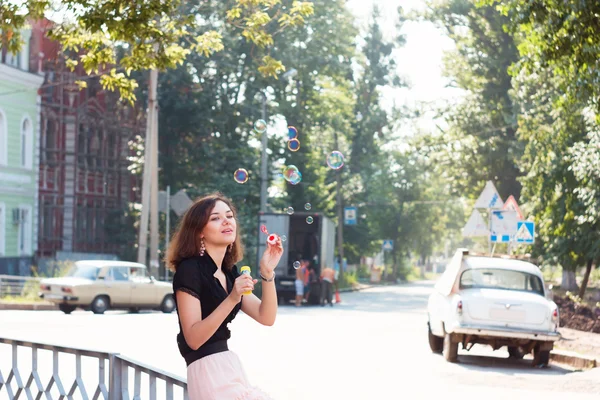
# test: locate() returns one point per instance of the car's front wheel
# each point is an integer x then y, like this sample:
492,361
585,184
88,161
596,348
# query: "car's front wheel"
450,348
100,304
168,304
436,343
66,308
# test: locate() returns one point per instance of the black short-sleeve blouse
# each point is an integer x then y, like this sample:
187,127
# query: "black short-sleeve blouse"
195,276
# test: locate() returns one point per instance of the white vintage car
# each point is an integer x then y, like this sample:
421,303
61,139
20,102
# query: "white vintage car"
497,301
100,285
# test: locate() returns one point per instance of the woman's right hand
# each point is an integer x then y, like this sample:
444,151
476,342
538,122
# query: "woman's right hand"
243,283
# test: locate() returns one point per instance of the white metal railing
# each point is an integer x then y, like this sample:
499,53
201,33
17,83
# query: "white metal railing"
109,382
12,285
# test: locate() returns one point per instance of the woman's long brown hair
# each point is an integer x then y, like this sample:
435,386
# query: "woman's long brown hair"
184,241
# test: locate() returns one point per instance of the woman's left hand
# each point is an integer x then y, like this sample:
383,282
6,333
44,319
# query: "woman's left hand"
271,257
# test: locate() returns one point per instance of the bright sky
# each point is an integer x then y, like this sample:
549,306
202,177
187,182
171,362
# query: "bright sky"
419,61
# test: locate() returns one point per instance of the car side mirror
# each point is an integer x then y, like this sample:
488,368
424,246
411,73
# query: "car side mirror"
152,279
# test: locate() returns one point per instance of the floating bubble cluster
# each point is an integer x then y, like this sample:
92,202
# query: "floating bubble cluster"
289,210
294,145
263,229
335,160
260,126
309,220
240,175
307,206
296,264
283,238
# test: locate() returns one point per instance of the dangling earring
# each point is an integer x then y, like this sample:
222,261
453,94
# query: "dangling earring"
202,247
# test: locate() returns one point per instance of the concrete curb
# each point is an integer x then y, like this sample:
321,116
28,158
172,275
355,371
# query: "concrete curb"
28,307
363,287
572,359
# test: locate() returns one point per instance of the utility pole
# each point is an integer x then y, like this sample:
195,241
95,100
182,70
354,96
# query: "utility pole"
167,228
263,161
340,213
143,232
154,195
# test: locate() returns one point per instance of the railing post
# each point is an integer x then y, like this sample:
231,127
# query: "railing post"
114,382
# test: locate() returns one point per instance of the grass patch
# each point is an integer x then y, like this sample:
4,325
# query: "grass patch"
413,274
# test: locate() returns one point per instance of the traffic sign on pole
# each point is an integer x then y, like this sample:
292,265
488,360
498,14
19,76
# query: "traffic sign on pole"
525,232
489,198
503,226
511,205
350,215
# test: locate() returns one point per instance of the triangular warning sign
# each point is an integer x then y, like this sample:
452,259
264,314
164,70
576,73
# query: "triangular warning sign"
489,198
512,205
523,234
475,226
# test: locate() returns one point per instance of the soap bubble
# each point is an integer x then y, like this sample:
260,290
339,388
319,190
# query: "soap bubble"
296,264
288,171
309,220
289,210
335,160
283,238
240,175
263,229
294,145
295,178
307,206
260,126
292,133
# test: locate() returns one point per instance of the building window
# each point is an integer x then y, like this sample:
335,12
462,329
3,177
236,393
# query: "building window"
49,140
13,59
27,143
47,227
3,139
24,239
2,229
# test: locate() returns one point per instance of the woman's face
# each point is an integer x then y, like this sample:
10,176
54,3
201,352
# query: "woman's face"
221,228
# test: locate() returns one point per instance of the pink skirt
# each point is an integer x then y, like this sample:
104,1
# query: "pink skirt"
220,376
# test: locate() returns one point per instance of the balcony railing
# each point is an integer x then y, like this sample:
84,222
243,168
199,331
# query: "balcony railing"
80,374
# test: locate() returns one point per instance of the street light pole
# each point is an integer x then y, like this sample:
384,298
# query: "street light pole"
340,213
263,163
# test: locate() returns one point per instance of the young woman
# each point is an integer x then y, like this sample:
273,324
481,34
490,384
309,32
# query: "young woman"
209,292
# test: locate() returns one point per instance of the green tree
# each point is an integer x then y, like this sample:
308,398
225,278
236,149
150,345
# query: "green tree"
155,33
550,127
480,142
562,36
208,107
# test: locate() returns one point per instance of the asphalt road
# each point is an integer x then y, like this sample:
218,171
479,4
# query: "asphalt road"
371,346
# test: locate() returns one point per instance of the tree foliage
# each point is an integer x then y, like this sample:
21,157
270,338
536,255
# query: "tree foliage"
563,36
156,34
479,143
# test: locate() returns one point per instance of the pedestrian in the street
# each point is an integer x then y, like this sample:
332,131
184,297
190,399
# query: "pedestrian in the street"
327,280
209,292
309,279
299,283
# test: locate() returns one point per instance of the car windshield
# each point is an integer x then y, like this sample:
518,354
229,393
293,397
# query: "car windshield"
506,279
84,271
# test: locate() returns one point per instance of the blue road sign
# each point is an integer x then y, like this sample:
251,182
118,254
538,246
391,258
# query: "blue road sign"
525,232
388,245
350,215
500,238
